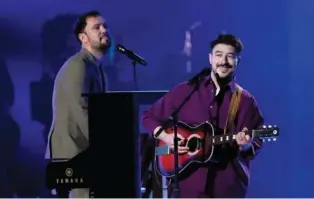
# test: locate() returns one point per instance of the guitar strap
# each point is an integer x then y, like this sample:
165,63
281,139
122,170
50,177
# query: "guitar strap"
233,108
232,111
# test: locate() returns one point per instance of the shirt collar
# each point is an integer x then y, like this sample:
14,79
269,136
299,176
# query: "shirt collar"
231,84
89,56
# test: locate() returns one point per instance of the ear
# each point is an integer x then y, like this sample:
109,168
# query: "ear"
210,58
238,60
83,37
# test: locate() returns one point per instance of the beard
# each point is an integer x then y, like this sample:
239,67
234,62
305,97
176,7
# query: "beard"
101,45
105,46
223,70
225,79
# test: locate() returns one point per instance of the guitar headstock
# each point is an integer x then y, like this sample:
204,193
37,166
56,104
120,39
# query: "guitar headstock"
267,133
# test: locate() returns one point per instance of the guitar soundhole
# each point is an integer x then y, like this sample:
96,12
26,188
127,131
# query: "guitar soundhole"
193,144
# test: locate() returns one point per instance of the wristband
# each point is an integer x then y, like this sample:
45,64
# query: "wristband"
156,135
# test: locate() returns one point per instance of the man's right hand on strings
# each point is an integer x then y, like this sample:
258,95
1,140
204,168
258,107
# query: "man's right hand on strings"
169,140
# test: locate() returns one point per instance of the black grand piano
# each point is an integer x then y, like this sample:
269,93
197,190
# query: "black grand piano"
110,167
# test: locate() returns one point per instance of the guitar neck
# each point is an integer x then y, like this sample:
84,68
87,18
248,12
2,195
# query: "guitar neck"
266,132
224,138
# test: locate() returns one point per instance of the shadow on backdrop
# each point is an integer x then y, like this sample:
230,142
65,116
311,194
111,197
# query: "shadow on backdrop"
9,136
58,44
16,163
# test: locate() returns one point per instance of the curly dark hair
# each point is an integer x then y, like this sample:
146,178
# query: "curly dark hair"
81,22
228,39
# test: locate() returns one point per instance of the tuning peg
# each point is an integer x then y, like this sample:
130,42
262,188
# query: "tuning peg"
263,140
274,139
269,126
264,127
269,140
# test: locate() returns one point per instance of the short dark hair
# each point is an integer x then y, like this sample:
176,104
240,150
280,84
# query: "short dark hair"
228,39
81,22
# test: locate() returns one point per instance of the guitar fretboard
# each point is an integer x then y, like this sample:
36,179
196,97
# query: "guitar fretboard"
221,139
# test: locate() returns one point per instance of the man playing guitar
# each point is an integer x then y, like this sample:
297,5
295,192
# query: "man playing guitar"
229,177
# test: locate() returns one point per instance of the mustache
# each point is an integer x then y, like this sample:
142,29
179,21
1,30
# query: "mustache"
225,65
105,36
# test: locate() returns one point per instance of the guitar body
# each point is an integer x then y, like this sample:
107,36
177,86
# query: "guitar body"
197,138
201,140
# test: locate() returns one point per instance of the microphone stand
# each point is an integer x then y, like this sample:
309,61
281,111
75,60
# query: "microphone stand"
195,81
134,75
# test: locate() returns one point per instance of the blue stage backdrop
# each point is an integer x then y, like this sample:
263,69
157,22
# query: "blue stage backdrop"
277,68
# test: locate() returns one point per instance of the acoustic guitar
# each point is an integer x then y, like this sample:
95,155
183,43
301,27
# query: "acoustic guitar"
201,140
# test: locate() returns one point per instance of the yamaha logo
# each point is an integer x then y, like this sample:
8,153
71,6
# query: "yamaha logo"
69,178
69,172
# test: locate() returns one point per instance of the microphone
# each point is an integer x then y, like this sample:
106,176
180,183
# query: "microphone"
134,57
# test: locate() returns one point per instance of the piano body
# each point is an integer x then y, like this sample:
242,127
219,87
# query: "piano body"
110,167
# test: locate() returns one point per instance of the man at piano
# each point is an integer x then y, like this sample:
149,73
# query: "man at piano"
81,73
210,103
